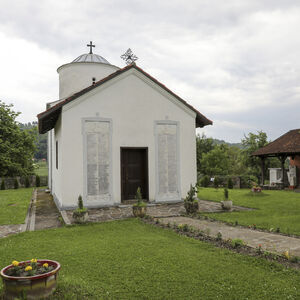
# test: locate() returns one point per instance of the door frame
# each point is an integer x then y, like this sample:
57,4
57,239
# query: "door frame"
146,170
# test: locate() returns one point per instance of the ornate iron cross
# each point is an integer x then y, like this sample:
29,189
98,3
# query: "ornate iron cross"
91,46
129,57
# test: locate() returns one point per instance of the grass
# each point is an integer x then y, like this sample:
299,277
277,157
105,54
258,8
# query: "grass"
42,168
14,205
132,260
274,209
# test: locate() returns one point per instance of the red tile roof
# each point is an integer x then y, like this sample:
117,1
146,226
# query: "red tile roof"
287,144
48,118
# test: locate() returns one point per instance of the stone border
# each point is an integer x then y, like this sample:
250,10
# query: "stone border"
27,223
200,216
221,243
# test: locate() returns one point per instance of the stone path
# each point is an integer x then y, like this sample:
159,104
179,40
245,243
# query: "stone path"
46,213
154,210
269,241
6,230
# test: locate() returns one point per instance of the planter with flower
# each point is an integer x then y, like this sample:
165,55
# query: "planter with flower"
32,279
226,204
191,203
80,215
139,209
256,189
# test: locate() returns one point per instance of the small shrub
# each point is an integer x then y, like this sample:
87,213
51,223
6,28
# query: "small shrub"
226,194
27,182
230,183
204,181
236,243
37,181
236,223
185,227
277,229
2,184
219,236
16,184
216,182
80,202
259,249
190,202
295,259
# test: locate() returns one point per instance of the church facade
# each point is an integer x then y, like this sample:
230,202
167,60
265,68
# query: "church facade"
114,130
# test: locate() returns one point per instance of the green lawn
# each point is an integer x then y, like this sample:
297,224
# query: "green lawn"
14,205
132,260
274,208
42,168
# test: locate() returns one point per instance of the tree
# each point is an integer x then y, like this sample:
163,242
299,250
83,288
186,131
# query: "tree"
204,145
41,139
216,161
251,143
17,146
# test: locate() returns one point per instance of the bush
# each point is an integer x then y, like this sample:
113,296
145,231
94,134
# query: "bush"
226,194
2,184
204,181
80,202
16,184
216,182
236,243
37,181
27,182
230,183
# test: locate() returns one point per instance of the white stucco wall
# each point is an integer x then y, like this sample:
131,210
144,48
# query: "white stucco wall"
134,104
74,77
56,173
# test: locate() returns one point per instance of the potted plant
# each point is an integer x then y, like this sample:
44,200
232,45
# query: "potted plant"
139,209
80,215
191,203
32,279
226,204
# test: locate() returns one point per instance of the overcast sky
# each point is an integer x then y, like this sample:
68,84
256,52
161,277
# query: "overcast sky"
237,62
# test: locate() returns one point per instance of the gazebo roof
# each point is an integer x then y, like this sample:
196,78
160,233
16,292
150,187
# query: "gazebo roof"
287,144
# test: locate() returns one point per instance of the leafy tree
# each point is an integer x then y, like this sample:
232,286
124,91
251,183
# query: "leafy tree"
41,139
251,143
216,162
17,145
204,145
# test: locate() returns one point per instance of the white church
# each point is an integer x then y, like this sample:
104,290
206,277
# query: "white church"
114,130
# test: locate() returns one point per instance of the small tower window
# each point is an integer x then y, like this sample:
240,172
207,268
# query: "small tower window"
94,80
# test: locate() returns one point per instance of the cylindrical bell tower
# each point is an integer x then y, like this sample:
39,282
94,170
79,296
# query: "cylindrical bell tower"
82,72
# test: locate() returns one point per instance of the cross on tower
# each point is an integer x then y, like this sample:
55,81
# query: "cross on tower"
91,46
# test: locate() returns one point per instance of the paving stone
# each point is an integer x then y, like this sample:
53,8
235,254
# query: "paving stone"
269,241
6,230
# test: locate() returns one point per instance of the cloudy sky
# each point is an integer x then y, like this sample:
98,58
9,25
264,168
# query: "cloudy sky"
236,61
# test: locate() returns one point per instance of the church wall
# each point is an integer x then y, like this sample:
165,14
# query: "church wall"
134,107
76,76
56,173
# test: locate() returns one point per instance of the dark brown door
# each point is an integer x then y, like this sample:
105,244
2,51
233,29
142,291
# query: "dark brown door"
134,172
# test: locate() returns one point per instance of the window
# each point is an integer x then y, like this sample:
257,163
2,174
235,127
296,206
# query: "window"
56,152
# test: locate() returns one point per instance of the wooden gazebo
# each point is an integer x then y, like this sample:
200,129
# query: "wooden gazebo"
287,145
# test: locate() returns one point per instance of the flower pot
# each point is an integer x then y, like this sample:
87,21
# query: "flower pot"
139,211
226,205
191,207
81,217
30,287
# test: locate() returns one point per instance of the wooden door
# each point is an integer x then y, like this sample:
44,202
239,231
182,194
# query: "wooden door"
134,172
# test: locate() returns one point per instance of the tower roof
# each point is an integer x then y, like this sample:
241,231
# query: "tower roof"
90,57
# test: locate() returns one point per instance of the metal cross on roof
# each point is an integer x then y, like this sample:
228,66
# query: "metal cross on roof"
91,46
129,57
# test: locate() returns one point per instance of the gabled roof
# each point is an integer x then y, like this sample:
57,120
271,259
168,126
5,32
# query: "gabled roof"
287,144
48,118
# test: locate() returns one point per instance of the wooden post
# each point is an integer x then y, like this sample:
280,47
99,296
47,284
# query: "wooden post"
284,177
262,170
